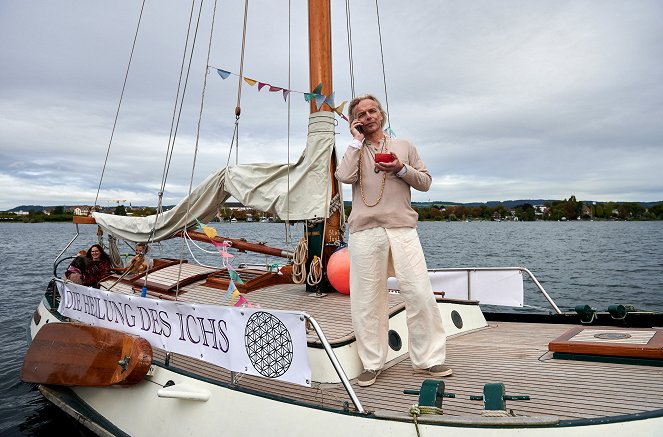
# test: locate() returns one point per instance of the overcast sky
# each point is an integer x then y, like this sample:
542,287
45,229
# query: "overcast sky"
504,99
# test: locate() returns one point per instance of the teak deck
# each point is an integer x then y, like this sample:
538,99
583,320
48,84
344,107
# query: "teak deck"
515,354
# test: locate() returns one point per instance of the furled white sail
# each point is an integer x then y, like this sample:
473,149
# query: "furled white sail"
299,191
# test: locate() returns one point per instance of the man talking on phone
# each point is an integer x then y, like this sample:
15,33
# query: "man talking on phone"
384,242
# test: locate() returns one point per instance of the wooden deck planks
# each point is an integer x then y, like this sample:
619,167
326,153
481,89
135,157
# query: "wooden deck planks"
569,390
513,353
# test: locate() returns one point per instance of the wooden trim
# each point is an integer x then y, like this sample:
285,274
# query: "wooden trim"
84,220
253,280
570,343
240,245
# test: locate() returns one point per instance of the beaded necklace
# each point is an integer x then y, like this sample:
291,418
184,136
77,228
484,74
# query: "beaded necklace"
384,175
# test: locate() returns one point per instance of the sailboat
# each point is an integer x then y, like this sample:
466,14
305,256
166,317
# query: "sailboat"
191,349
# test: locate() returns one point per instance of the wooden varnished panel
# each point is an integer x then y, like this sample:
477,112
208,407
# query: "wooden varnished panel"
81,355
615,342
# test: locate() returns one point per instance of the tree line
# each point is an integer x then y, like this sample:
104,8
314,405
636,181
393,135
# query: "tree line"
567,209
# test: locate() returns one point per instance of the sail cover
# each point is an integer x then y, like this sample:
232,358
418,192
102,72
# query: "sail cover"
299,191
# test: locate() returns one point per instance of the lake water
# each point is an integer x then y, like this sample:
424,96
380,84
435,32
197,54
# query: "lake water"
595,263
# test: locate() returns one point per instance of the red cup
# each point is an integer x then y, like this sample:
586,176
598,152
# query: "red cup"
384,157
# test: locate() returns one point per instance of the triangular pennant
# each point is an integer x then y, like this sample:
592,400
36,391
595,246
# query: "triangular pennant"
285,95
234,276
234,296
308,96
330,100
318,89
251,82
231,288
210,232
390,132
223,73
241,301
273,89
319,100
339,109
261,85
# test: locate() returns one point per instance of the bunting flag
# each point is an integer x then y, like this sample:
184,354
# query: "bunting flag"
231,288
223,73
315,95
210,232
319,100
234,276
330,100
222,247
241,301
318,89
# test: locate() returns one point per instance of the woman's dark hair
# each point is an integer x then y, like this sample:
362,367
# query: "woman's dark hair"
104,255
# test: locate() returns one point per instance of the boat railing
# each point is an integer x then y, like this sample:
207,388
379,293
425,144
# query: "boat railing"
335,363
57,258
472,291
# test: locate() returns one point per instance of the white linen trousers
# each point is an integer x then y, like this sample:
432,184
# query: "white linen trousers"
375,254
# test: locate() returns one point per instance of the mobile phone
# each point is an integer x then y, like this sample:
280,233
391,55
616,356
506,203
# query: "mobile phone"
360,128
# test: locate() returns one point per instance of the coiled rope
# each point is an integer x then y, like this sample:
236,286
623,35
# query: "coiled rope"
315,271
417,410
299,262
497,413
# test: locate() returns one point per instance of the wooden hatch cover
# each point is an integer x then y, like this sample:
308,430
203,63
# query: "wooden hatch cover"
81,355
645,343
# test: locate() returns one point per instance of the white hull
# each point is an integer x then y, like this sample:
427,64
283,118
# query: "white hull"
139,411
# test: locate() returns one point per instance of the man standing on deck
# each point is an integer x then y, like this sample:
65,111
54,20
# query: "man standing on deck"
384,242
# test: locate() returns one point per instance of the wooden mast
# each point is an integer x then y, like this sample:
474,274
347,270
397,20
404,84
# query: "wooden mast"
320,72
320,50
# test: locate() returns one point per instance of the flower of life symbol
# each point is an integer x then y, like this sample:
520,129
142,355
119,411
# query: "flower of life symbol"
268,344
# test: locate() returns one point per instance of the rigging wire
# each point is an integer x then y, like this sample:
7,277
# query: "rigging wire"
350,59
238,107
195,153
175,117
384,76
287,194
119,104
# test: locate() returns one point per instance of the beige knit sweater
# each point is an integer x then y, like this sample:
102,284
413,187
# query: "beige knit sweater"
394,209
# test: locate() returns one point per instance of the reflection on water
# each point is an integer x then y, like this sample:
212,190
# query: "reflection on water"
595,263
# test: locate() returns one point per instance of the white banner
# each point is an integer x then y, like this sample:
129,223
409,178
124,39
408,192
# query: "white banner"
270,343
